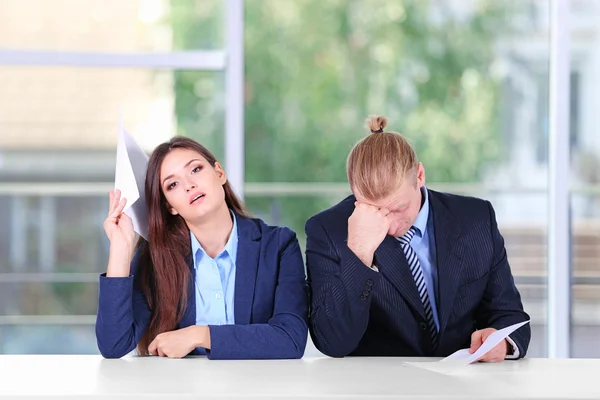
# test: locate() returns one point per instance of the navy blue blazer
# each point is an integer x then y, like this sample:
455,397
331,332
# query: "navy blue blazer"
271,301
360,312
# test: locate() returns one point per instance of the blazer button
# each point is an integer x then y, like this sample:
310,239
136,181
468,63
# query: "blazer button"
423,326
365,293
363,297
369,282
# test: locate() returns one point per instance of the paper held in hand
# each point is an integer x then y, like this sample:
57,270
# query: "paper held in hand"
130,176
462,357
489,343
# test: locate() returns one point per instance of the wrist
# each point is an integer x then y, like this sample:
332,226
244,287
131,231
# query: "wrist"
201,336
118,264
366,256
121,251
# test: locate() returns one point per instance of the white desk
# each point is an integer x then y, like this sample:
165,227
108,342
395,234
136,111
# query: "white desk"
310,378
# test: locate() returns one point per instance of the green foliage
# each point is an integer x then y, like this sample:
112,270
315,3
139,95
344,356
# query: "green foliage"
316,69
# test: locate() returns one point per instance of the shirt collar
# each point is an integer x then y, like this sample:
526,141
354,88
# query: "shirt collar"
232,243
421,221
230,247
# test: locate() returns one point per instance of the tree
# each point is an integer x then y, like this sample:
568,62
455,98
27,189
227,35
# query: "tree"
315,69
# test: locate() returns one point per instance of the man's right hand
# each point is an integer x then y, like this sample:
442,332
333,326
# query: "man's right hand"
367,227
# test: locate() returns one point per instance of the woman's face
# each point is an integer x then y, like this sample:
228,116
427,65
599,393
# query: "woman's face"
193,188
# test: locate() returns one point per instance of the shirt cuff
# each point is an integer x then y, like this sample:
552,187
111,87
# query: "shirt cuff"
515,353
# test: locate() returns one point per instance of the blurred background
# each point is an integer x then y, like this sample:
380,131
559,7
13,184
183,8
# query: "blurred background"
467,81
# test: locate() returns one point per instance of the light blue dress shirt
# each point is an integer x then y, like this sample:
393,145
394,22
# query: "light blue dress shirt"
423,243
215,281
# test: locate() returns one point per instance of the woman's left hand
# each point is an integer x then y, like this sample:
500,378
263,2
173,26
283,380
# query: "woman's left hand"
179,343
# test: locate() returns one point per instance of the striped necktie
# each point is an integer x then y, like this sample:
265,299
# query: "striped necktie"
417,273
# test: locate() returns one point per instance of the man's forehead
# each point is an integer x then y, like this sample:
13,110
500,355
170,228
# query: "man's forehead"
394,199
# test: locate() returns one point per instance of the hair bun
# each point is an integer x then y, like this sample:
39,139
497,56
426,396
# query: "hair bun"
376,123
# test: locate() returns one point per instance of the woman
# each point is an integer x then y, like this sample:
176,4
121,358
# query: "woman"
210,280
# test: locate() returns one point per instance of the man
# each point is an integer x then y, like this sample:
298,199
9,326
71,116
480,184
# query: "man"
400,270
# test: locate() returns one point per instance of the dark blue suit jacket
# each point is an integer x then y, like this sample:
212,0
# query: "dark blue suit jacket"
357,311
271,301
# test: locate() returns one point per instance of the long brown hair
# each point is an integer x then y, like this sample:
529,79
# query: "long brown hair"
378,164
163,272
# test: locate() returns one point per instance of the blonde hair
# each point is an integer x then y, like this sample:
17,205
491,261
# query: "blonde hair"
379,163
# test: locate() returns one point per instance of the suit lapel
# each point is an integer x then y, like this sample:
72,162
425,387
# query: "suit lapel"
449,250
392,264
246,266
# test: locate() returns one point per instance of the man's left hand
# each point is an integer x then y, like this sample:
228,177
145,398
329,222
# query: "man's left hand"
497,354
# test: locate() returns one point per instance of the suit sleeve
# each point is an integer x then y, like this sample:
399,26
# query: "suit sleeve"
123,313
501,305
284,336
340,293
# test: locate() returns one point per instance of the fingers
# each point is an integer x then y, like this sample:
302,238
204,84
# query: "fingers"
118,208
152,348
126,218
497,354
115,196
110,221
155,348
487,357
114,220
485,333
476,341
494,355
115,201
382,210
125,224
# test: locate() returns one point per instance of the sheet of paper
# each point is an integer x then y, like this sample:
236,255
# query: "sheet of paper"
462,357
130,176
487,345
450,367
461,354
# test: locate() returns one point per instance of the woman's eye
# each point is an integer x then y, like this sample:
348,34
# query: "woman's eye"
196,169
172,185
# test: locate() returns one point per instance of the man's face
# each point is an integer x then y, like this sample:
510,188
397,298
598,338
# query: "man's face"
404,203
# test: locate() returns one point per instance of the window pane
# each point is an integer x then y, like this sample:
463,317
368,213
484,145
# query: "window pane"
585,178
49,298
112,25
57,161
48,339
465,81
585,270
74,113
270,209
54,234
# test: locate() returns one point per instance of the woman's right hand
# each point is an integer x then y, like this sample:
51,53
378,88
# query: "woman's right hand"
119,230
